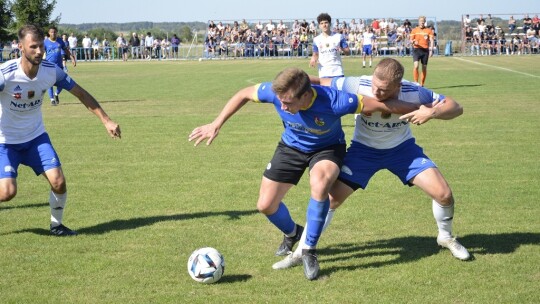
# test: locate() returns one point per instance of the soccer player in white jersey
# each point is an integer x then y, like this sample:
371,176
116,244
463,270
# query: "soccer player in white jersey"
23,139
385,141
327,48
368,42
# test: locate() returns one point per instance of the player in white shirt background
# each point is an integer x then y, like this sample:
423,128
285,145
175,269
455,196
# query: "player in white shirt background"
23,139
385,141
327,48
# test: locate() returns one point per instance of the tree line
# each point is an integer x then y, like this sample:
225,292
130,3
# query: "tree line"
16,13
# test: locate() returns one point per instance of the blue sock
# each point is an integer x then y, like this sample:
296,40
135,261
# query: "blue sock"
58,90
282,219
316,215
51,95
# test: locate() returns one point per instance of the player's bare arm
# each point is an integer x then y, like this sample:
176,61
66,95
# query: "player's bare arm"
314,60
91,104
392,105
211,130
445,109
71,56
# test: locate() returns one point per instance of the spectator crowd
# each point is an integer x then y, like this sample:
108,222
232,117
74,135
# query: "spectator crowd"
296,37
480,36
494,36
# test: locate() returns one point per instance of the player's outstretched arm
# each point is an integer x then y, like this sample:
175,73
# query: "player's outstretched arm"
393,105
445,109
91,104
211,130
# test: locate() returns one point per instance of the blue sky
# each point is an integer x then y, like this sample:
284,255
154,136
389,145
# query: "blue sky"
120,11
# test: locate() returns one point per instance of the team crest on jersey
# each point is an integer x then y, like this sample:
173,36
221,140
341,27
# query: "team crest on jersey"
17,95
31,94
319,122
367,114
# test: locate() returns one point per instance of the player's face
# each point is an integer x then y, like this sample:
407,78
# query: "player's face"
52,34
32,49
290,103
324,26
382,89
421,22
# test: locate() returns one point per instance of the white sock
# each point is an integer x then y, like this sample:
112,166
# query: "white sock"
57,203
444,217
363,63
302,242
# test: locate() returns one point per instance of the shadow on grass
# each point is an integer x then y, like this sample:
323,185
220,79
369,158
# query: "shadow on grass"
413,248
226,279
37,205
102,101
134,223
458,86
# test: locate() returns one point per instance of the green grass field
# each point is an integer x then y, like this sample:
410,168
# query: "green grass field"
144,203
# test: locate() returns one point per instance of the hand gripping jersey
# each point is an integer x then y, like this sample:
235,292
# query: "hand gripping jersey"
383,131
21,99
319,125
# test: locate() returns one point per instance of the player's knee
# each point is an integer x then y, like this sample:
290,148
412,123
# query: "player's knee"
267,207
445,197
58,185
7,194
334,204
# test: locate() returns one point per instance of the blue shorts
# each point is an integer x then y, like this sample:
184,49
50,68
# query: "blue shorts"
37,154
361,162
367,49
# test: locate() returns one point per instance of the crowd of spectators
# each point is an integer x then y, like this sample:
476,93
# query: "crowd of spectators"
296,37
139,47
142,46
494,36
481,36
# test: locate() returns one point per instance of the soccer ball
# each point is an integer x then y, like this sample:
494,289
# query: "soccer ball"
206,265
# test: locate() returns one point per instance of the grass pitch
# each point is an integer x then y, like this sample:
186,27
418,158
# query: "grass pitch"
144,203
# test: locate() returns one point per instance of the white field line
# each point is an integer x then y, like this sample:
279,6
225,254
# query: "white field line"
498,67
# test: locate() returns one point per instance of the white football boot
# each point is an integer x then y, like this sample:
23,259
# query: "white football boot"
291,260
455,248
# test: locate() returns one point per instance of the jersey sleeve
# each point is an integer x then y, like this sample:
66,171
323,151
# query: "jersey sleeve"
315,47
63,80
348,103
2,82
263,93
427,96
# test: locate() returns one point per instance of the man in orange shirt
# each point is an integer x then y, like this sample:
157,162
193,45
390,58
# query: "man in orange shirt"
422,39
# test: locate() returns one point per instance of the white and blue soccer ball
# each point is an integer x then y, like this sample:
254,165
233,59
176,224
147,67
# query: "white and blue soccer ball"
206,265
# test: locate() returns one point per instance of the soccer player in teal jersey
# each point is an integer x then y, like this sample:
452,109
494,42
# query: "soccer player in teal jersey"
54,46
313,138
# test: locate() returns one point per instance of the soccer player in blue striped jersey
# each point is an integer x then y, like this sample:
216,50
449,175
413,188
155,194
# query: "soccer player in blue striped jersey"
55,50
385,141
312,138
23,139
